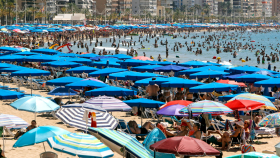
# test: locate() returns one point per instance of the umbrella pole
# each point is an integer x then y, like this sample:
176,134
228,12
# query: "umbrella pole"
31,85
3,140
141,114
44,146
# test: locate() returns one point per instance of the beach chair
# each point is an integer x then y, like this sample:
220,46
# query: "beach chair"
153,114
123,126
48,154
8,132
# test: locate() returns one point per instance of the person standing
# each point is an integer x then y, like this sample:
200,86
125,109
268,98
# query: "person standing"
269,66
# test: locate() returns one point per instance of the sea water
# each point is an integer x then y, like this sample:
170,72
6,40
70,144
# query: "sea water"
261,39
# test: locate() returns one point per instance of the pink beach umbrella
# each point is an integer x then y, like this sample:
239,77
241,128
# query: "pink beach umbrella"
142,58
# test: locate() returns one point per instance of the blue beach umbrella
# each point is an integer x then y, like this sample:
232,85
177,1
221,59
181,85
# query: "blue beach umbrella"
140,76
252,78
194,64
63,81
243,69
45,51
122,75
35,104
142,102
169,68
121,56
145,82
86,83
111,91
81,69
12,58
160,80
88,56
148,68
31,72
9,49
105,64
5,65
134,62
200,69
81,145
213,87
26,53
253,155
209,73
6,94
182,83
62,91
61,64
40,58
106,71
268,83
13,69
39,135
233,77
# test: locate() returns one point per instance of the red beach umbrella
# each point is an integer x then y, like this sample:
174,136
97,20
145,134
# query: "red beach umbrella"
232,82
184,145
244,105
174,102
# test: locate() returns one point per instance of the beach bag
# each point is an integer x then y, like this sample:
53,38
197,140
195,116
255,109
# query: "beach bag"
247,148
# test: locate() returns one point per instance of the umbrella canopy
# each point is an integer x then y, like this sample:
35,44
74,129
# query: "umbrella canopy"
134,62
142,102
92,79
172,110
81,69
121,56
182,83
195,64
81,145
228,97
94,109
62,91
26,53
244,105
18,58
120,142
61,64
253,155
122,75
35,104
63,81
207,107
142,58
86,83
146,81
174,102
232,82
40,58
268,83
74,118
160,80
9,49
38,135
242,69
213,87
169,68
184,145
6,94
106,71
11,121
148,68
105,64
257,98
107,103
111,91
206,68
45,51
252,78
233,77
272,120
13,69
31,72
264,72
209,73
140,76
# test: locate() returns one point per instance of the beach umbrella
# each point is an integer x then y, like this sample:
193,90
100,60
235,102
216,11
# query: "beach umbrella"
121,142
168,68
146,81
45,51
107,103
106,71
253,155
14,68
242,69
5,65
11,120
184,145
207,107
92,79
11,58
9,49
61,64
40,58
39,135
86,83
244,105
82,105
88,56
154,136
268,83
142,102
81,145
264,72
62,91
172,110
74,118
122,75
76,60
134,62
26,53
231,82
148,68
181,83
200,69
257,98
213,87
111,91
228,97
140,76
271,121
174,102
63,81
31,72
209,73
102,63
35,104
252,78
194,64
6,94
121,56
98,58
142,58
233,77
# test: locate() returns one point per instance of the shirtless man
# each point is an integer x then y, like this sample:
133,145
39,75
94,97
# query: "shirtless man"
32,126
153,91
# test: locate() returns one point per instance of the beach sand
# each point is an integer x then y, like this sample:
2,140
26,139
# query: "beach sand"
35,150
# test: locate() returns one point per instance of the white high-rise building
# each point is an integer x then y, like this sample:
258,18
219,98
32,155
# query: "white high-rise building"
267,7
143,7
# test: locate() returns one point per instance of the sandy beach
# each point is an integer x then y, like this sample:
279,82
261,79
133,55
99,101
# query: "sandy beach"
35,150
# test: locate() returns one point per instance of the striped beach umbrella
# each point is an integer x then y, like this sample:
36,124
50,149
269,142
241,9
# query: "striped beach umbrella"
272,120
207,107
81,145
107,103
121,142
11,121
74,117
257,98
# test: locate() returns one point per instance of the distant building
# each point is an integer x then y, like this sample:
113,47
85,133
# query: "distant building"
275,7
102,5
120,6
143,7
267,7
